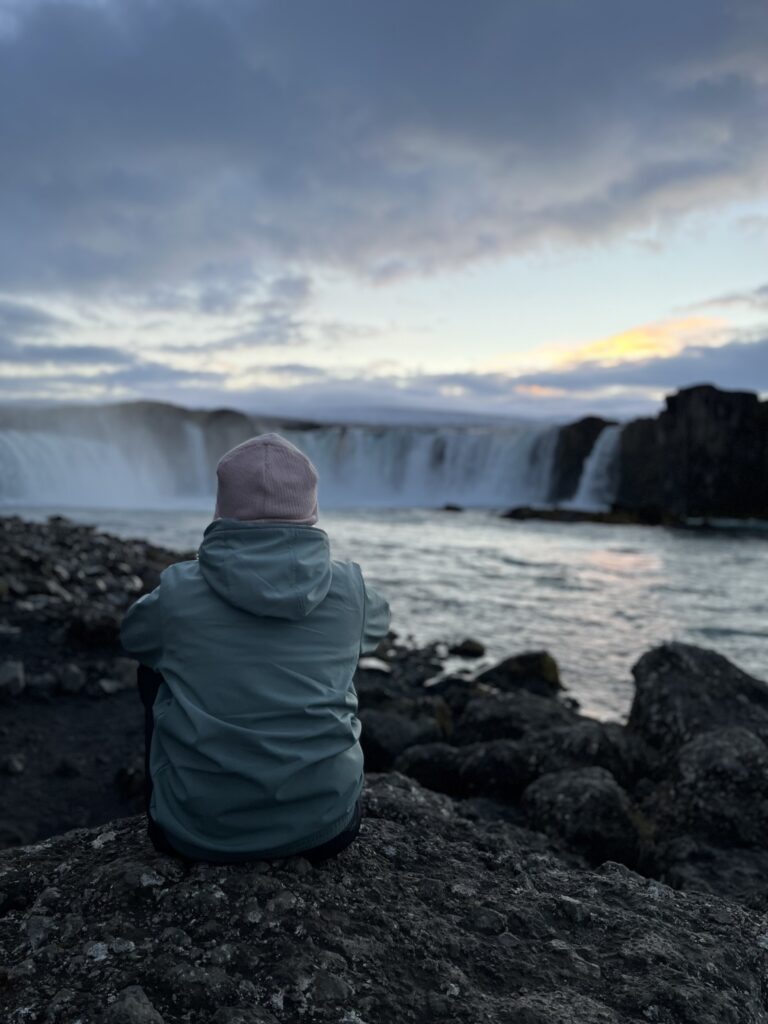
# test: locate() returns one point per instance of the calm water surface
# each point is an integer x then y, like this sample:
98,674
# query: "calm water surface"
595,596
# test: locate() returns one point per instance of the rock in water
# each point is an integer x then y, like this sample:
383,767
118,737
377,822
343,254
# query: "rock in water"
427,916
535,671
468,648
682,691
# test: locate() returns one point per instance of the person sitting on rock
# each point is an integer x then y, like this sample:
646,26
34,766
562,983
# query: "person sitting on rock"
252,740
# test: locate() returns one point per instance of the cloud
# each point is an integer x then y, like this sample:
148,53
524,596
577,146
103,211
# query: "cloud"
271,328
623,389
740,365
19,319
91,356
654,340
20,322
382,393
751,298
191,142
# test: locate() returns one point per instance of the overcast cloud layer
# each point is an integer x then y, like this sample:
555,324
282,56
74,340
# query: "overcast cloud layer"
185,139
183,154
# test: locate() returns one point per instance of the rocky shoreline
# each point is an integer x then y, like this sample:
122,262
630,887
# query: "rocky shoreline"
518,860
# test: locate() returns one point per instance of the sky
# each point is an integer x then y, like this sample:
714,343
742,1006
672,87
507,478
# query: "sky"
383,208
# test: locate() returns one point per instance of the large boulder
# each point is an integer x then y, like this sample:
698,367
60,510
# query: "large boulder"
386,734
502,769
589,811
457,691
682,691
693,864
718,790
437,766
535,671
510,716
427,916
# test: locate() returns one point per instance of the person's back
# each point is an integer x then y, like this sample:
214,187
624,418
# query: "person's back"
255,750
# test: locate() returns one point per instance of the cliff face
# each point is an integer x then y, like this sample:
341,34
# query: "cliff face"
574,443
706,454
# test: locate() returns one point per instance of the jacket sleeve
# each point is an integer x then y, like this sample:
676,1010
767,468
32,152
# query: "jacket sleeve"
376,618
141,631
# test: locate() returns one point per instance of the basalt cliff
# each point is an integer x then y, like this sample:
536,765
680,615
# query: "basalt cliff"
705,455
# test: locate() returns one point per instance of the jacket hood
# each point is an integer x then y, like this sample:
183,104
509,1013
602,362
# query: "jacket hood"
279,570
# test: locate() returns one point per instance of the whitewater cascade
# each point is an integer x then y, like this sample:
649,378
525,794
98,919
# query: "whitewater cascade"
123,457
144,455
597,485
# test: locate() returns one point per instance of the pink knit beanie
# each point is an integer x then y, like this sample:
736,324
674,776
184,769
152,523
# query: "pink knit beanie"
267,477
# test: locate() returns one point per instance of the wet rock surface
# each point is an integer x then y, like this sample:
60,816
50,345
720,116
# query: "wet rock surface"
429,916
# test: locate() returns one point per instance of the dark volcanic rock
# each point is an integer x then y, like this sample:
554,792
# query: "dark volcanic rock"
434,765
681,691
468,648
535,671
719,789
457,691
12,681
63,590
503,768
574,443
95,628
427,916
589,811
705,455
616,516
386,734
696,865
510,716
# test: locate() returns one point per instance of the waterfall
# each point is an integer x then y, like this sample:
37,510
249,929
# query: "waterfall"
597,485
47,468
142,456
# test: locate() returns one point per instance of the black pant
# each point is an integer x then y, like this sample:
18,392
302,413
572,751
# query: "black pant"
149,683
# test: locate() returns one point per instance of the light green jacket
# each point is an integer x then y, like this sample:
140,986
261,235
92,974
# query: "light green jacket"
256,746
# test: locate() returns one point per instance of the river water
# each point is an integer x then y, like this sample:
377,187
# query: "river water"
595,596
